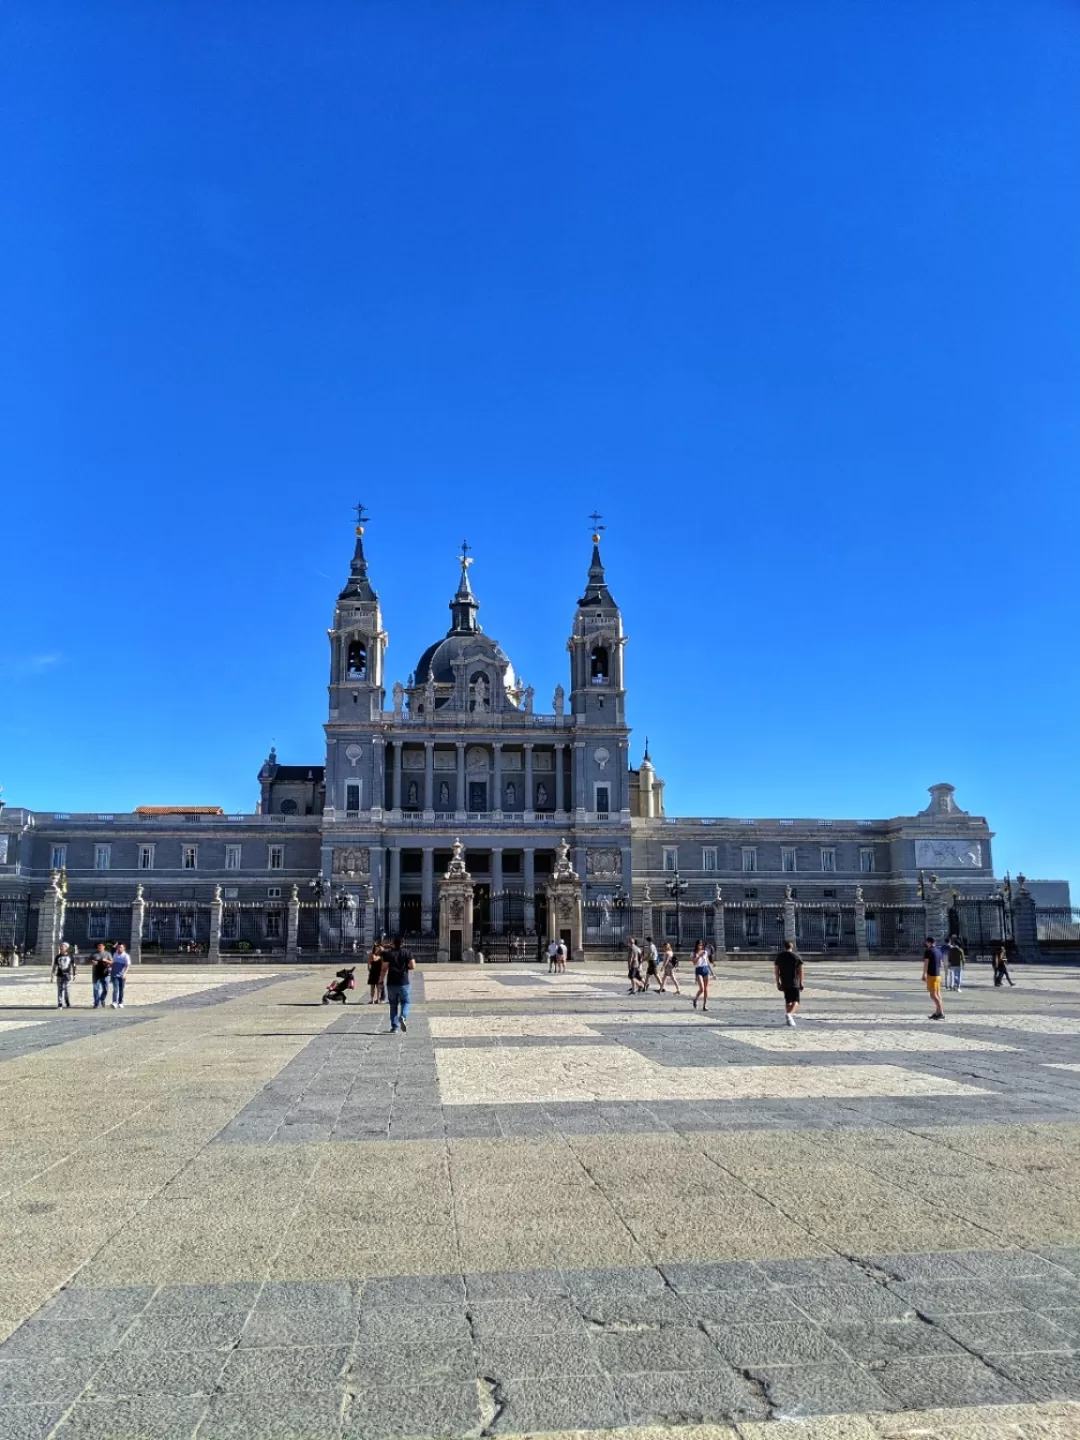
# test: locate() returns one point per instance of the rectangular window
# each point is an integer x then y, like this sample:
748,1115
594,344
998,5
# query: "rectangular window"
230,925
230,892
352,799
788,862
603,799
866,861
274,892
102,856
671,857
671,926
749,858
708,859
59,857
828,861
276,857
190,857
146,857
97,927
273,925
232,857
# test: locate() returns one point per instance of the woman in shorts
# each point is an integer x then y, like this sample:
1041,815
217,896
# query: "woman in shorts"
668,965
702,974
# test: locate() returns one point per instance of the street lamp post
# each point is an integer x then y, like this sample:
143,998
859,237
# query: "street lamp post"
677,888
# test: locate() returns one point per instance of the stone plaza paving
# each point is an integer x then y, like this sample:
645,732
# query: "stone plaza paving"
551,1207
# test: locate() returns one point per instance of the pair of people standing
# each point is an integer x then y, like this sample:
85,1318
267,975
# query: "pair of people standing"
556,952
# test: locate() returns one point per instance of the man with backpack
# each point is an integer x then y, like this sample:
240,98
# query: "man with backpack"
63,972
397,968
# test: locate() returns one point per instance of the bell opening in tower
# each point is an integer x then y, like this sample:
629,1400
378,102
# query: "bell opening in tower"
357,660
598,666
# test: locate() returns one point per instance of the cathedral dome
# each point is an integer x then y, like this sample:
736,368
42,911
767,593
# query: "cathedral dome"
466,656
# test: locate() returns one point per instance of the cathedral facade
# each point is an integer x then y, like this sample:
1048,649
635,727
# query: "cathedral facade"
546,803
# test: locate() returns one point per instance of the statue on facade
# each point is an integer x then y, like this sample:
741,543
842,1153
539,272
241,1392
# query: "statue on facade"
480,695
563,869
399,696
559,701
444,794
788,897
858,895
456,869
541,796
718,898
413,794
530,695
429,693
647,897
511,796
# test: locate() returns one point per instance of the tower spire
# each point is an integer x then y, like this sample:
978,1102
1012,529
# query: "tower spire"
596,590
464,605
358,586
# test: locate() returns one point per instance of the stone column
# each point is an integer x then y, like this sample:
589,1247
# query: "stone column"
496,870
498,796
292,933
217,910
429,779
937,921
530,798
647,914
459,808
862,949
564,902
395,888
560,782
138,918
529,868
455,904
378,890
622,787
578,773
51,918
378,775
397,748
427,886
719,930
790,929
367,930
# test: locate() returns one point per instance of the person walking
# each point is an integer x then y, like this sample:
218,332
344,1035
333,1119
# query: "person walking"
932,965
1001,968
374,975
553,955
956,958
121,963
703,972
397,967
788,968
633,953
634,972
652,965
100,971
669,963
63,972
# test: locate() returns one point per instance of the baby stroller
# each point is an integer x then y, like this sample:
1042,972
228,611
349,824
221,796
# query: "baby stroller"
338,989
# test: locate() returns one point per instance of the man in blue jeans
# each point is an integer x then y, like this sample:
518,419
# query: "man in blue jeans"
396,976
121,961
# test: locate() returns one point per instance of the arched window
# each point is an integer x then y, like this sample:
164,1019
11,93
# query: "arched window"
598,666
357,663
289,807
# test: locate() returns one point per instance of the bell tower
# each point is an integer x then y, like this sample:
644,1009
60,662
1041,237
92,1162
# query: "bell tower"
357,643
597,689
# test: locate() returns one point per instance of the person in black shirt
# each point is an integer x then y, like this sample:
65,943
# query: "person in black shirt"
100,973
397,968
789,979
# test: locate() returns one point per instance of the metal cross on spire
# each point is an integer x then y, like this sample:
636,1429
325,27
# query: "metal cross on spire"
596,517
362,517
464,558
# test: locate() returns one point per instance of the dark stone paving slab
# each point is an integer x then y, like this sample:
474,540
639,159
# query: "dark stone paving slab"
526,1351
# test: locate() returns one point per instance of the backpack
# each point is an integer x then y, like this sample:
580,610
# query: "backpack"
956,956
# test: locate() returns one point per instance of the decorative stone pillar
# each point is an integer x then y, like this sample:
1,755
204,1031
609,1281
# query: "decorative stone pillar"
564,902
51,918
719,930
455,907
560,781
367,928
138,918
646,913
217,911
1025,924
378,776
578,773
292,933
937,922
459,808
862,949
790,929
498,783
496,870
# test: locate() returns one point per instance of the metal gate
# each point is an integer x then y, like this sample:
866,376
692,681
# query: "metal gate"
253,928
981,923
15,930
499,927
175,928
825,929
331,929
609,924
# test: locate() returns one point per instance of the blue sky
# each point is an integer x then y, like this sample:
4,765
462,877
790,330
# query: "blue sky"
789,291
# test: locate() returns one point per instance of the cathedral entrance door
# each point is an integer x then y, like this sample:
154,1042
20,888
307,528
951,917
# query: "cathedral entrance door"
411,923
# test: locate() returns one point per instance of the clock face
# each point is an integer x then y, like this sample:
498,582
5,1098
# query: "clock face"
353,753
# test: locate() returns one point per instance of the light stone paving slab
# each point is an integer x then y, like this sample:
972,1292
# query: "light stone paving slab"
552,1076
836,1040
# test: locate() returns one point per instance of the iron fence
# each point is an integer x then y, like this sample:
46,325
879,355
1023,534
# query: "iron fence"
981,924
253,928
895,929
825,929
86,922
503,929
327,929
18,925
175,928
1058,926
752,927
